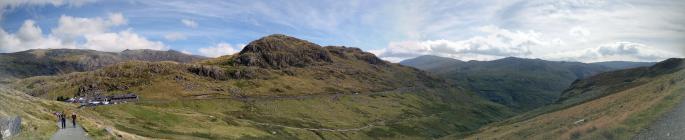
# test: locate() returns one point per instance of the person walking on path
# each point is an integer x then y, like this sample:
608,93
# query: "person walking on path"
73,119
59,118
64,120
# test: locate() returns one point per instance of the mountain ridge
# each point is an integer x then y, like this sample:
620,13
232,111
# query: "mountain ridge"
42,62
520,83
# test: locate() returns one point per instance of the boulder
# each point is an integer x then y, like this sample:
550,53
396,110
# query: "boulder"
9,126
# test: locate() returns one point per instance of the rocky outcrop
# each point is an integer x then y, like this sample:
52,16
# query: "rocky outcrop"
9,126
280,51
354,53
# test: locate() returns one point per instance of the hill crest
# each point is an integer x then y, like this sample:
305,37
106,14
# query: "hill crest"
280,51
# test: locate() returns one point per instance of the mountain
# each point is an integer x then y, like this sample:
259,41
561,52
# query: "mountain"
154,55
277,87
610,105
519,83
38,62
431,62
624,64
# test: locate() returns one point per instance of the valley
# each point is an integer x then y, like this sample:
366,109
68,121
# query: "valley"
605,106
281,87
340,93
519,83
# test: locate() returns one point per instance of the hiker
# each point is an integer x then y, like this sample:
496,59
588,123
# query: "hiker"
64,120
73,119
59,118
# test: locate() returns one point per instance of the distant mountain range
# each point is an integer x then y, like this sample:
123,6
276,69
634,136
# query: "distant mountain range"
624,64
520,83
39,62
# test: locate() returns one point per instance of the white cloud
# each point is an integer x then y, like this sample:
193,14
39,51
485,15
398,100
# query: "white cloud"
69,28
189,23
120,41
186,52
29,36
174,36
659,23
497,43
117,19
560,25
77,33
219,50
29,31
579,33
618,51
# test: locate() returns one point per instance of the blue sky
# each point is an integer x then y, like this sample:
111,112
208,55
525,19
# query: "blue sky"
571,30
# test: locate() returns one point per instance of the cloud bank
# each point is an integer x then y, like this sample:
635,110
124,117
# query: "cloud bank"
77,33
497,43
624,51
220,49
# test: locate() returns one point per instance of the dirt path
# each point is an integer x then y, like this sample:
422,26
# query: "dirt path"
70,133
671,126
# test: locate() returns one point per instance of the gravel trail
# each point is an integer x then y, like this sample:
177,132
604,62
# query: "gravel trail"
671,126
70,133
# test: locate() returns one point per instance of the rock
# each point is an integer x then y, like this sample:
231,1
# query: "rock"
9,126
280,51
354,53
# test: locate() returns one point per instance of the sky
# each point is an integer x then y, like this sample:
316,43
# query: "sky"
394,30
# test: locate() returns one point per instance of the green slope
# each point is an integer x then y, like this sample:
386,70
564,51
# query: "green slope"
611,105
278,87
624,64
521,84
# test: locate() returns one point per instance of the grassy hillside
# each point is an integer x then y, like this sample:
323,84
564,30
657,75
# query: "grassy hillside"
391,115
38,122
60,61
279,87
521,84
612,105
431,62
624,64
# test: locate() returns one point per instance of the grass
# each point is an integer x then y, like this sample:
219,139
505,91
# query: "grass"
402,115
636,122
615,116
36,114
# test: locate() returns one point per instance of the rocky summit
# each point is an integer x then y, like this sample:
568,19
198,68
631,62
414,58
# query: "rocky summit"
281,51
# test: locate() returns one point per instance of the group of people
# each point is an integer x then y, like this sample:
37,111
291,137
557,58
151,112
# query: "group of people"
62,118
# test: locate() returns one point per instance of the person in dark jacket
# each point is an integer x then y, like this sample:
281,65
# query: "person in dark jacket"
64,121
73,119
